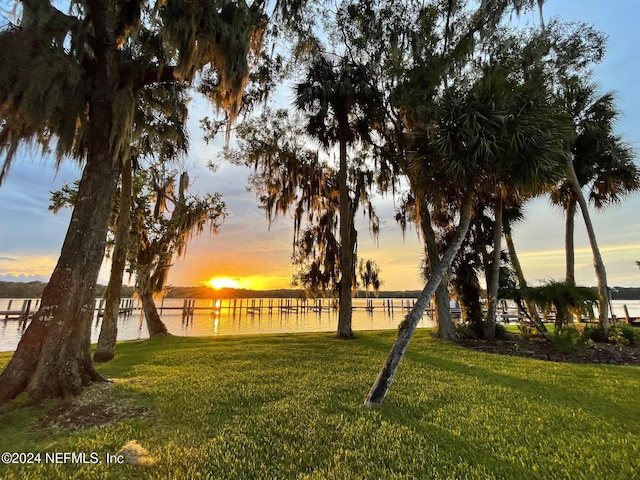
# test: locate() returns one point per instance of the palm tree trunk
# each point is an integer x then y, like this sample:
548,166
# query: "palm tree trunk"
598,264
569,227
444,327
468,290
105,349
522,282
346,248
384,380
494,277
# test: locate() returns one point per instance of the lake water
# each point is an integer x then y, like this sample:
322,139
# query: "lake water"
211,319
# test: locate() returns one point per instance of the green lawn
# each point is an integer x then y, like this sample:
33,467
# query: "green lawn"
292,407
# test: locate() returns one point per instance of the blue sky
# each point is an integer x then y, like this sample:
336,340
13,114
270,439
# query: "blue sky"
259,256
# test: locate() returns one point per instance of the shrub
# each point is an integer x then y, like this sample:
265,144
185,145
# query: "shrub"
594,333
465,331
568,340
616,336
623,334
630,333
526,331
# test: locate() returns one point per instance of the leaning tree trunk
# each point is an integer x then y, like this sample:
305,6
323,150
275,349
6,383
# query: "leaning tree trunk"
382,384
346,248
53,357
522,282
494,277
601,274
445,327
155,325
105,349
569,227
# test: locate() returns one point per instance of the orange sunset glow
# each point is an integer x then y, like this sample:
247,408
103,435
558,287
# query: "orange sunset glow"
222,282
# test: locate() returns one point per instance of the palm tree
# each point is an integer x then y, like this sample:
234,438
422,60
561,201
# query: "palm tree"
565,297
291,178
599,161
478,132
515,148
413,44
472,259
341,106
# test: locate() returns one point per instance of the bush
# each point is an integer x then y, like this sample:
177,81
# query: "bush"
465,331
594,333
568,340
623,334
526,331
616,336
619,334
630,333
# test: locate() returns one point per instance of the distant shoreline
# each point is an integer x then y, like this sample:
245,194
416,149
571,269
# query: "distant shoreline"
207,292
35,289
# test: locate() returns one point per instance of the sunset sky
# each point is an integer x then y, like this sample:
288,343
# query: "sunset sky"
258,257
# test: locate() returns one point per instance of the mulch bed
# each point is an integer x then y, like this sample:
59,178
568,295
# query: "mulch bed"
542,349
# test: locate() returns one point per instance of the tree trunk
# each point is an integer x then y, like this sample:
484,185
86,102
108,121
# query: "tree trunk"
494,278
444,328
569,227
155,325
468,291
598,264
382,384
346,248
105,349
53,357
522,282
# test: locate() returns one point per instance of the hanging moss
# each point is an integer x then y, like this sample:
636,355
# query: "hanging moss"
124,106
216,42
51,107
217,38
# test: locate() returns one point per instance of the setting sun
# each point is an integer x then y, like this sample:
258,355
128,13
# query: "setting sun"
222,282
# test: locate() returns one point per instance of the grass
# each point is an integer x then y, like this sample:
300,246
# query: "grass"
291,407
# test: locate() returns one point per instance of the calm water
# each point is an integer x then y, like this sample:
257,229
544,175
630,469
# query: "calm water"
222,319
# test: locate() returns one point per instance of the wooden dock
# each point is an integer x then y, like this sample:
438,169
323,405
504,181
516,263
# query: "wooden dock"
30,307
284,306
125,308
252,305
